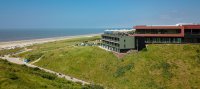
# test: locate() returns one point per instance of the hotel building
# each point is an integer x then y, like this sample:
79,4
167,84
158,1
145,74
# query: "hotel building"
118,40
124,40
180,33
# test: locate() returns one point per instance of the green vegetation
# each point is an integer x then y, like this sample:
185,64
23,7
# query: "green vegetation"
163,66
14,76
9,51
34,56
122,70
41,49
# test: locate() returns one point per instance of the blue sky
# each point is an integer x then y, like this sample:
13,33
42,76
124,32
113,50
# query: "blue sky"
96,13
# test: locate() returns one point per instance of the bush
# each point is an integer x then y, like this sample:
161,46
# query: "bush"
187,47
34,56
23,65
9,51
80,83
92,87
36,69
144,49
44,74
165,70
197,59
198,51
120,71
48,76
13,76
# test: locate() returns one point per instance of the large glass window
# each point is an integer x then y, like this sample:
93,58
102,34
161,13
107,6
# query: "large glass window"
163,40
192,31
188,31
158,31
196,31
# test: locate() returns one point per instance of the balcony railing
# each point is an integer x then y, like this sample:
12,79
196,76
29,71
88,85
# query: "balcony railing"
111,45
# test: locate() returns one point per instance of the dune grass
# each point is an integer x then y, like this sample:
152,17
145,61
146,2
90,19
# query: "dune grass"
163,66
14,76
9,51
40,49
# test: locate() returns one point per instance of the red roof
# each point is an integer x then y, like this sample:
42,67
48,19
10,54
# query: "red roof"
168,27
196,26
157,27
191,26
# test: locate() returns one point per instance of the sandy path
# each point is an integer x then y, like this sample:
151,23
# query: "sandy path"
18,61
23,43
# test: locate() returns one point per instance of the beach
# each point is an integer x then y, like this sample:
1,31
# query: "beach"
24,43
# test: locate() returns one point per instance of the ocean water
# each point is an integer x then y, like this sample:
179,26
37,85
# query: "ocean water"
27,34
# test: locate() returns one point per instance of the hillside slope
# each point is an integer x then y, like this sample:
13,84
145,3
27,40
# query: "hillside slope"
163,66
13,76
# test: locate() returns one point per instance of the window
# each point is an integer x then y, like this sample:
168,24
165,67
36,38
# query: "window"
124,40
124,45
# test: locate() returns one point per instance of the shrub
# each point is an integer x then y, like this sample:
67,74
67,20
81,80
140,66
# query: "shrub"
12,69
187,47
36,69
34,56
198,51
165,70
92,87
43,74
48,76
152,84
9,51
80,83
13,76
23,65
144,49
197,59
121,70
6,62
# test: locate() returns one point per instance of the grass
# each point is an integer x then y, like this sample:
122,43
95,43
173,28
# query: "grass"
14,76
163,66
122,70
10,51
41,49
33,56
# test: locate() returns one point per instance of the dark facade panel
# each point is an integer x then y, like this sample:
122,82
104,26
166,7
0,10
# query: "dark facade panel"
140,43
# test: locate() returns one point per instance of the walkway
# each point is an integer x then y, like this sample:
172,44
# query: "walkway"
18,61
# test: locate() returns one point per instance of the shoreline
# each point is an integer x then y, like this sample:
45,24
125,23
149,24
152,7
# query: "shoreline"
24,43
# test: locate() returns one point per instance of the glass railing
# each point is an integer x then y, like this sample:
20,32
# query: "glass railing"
112,45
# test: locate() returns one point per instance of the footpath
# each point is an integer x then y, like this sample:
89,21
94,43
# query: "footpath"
20,62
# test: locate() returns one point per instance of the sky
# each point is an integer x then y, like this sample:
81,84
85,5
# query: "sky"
96,13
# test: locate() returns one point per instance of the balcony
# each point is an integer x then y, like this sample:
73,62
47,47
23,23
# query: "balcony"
110,40
111,44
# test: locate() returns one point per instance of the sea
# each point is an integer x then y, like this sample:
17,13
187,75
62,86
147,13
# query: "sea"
28,34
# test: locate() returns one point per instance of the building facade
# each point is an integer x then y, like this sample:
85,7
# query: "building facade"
124,40
180,33
118,40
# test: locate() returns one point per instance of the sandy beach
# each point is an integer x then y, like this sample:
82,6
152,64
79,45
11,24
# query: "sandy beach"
23,43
